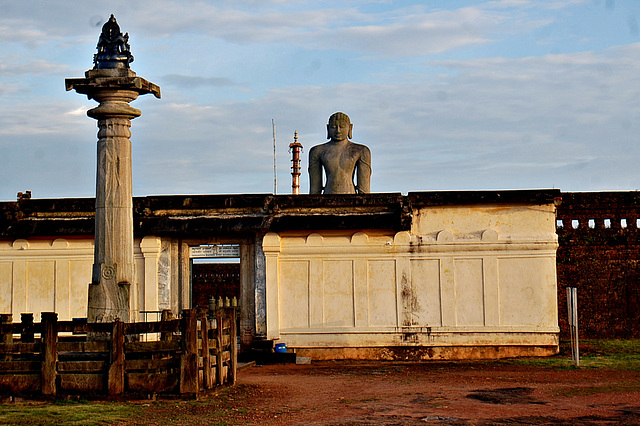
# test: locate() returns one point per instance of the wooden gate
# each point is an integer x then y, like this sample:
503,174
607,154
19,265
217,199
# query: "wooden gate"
185,356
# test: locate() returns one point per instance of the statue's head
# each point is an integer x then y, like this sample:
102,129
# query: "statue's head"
342,121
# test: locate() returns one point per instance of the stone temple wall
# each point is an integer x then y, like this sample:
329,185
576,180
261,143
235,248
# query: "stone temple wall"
460,274
53,275
466,281
599,254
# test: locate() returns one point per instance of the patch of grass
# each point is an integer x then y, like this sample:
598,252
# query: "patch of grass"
68,413
615,346
219,408
594,353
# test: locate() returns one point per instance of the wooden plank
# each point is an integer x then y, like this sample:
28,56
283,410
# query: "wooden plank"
189,373
171,326
26,324
6,335
152,382
233,336
224,356
82,383
159,346
207,376
80,327
7,330
22,348
213,341
167,315
116,369
219,346
212,323
50,352
228,323
81,366
152,364
18,383
189,360
16,366
90,346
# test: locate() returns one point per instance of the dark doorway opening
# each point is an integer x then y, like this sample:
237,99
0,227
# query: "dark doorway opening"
214,280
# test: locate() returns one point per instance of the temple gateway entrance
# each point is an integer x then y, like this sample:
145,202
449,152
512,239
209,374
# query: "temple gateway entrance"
215,272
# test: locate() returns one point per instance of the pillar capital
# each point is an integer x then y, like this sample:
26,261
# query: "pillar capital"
99,82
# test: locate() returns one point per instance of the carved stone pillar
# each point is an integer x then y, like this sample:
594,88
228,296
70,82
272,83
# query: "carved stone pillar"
113,85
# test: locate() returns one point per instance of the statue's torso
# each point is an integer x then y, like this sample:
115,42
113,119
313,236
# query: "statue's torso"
339,162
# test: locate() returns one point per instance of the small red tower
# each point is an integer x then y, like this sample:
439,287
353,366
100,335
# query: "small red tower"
295,148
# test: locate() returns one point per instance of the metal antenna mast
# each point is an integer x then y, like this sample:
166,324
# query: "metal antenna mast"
275,175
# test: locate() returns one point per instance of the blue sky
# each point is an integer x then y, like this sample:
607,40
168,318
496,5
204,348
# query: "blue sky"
448,95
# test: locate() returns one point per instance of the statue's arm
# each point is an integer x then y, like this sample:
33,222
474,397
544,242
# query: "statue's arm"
364,171
315,172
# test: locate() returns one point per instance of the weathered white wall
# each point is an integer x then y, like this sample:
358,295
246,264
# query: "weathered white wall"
53,275
463,276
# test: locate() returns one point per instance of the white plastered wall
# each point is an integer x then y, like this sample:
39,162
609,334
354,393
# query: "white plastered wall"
463,276
53,275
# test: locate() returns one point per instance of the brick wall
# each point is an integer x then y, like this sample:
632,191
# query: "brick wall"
599,254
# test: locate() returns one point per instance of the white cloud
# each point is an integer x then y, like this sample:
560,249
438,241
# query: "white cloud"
396,31
13,66
531,119
415,34
466,122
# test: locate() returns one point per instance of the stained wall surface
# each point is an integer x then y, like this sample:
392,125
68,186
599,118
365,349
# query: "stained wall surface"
463,276
53,274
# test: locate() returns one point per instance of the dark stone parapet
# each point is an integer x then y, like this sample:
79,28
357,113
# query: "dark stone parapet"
450,198
47,217
244,214
256,213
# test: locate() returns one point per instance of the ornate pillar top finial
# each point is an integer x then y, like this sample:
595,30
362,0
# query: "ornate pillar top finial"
113,47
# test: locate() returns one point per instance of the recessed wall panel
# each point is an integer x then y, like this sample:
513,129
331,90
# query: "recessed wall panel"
294,294
528,291
6,278
338,293
425,293
40,287
469,292
80,277
381,278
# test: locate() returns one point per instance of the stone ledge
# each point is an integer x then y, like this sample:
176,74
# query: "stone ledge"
426,353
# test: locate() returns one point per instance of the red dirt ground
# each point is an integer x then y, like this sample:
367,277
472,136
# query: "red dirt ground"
465,393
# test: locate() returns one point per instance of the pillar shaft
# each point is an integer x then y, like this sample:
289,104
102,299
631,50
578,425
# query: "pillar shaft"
113,267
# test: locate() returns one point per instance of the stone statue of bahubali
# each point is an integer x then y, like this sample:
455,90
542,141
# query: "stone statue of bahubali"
341,159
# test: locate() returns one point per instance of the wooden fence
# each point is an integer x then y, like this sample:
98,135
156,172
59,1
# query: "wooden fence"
172,356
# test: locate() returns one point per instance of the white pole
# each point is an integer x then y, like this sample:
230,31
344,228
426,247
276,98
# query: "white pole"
575,324
275,174
572,311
